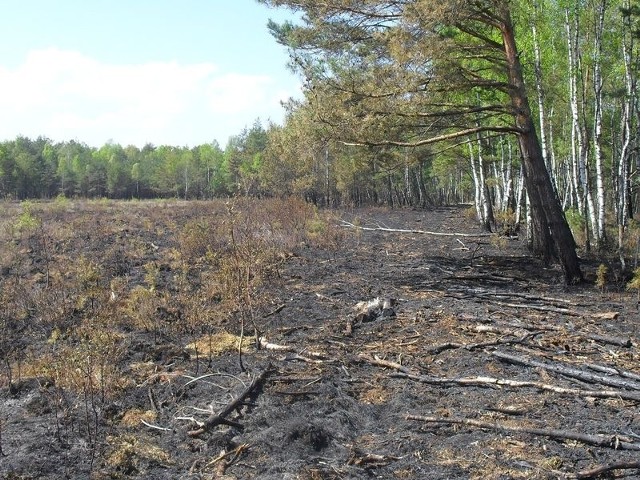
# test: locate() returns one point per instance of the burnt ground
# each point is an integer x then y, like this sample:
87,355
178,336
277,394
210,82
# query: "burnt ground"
428,389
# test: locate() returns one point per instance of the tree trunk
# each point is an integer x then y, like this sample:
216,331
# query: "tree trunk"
576,133
549,223
540,91
628,107
598,84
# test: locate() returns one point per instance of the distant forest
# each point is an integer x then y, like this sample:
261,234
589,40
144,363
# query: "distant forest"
249,165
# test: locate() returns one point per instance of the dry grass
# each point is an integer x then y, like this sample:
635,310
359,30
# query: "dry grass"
218,343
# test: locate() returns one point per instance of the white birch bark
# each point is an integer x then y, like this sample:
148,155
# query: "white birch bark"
576,134
477,185
626,133
598,85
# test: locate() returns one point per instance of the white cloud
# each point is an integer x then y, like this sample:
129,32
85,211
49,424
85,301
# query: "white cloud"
67,95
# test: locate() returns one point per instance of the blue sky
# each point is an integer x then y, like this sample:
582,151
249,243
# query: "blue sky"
167,72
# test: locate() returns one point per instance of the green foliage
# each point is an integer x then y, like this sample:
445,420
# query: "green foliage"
601,276
27,221
576,222
634,283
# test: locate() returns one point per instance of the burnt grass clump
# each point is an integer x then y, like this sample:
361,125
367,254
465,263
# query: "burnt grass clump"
267,339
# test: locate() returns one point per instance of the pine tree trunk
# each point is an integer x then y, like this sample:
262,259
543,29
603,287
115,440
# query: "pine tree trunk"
549,223
540,92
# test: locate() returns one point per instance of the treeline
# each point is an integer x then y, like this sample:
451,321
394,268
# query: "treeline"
251,164
42,169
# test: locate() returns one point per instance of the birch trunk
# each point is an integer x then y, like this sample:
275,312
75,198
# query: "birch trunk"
625,154
477,186
597,85
576,134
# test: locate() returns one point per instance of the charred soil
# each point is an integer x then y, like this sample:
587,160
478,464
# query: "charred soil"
366,353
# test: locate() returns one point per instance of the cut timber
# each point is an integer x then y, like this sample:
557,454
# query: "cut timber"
421,232
220,418
608,441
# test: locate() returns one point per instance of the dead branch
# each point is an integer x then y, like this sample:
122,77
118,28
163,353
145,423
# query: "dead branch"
384,363
421,232
485,293
294,356
224,464
499,382
370,460
612,371
503,382
156,427
278,309
598,471
262,341
434,350
568,371
617,341
220,418
607,441
540,308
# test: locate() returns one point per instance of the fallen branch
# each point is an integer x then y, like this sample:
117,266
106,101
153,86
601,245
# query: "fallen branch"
262,341
421,232
294,356
568,371
504,382
497,382
540,308
384,363
613,371
223,465
477,346
596,472
278,309
370,460
607,441
156,427
220,418
617,341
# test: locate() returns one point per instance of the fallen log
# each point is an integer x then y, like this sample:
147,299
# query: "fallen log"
606,441
220,418
568,371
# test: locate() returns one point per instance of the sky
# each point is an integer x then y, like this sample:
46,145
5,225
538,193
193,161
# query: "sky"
132,72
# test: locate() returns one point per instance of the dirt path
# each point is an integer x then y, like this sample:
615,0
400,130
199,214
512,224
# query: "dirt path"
485,366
